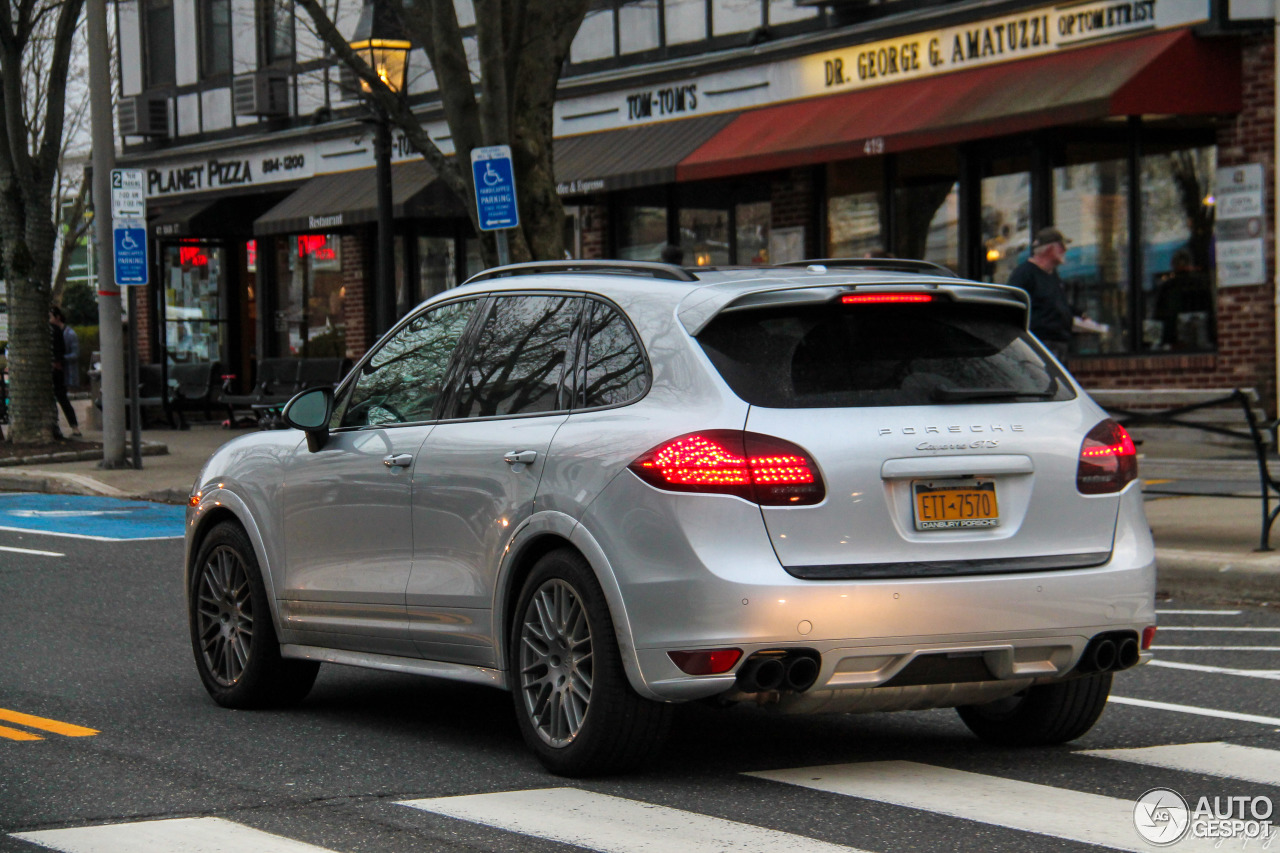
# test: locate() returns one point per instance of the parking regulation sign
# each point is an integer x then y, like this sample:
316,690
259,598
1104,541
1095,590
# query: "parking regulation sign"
495,187
128,194
130,252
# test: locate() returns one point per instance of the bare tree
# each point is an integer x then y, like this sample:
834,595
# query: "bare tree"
507,99
36,46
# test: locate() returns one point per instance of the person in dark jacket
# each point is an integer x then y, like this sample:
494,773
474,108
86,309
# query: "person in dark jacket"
1051,314
56,324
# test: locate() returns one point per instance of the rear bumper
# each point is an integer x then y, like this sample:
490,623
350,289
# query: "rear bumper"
687,586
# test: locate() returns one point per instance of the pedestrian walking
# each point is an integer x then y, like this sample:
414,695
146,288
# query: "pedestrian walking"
1051,313
72,341
59,341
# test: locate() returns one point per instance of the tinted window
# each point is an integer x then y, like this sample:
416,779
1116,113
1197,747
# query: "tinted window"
519,357
215,38
879,355
403,380
158,32
615,369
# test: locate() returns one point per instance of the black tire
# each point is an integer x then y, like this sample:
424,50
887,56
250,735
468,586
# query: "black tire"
1043,715
232,635
576,710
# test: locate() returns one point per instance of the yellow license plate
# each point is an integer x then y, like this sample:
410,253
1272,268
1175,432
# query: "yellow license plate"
955,505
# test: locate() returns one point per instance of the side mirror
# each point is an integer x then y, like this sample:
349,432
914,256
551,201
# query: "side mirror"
310,412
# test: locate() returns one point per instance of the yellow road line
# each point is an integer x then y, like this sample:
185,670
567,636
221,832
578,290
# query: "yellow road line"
45,724
16,734
1156,482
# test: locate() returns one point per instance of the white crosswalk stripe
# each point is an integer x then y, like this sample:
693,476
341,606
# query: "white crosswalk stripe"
612,824
616,825
190,835
1212,759
1027,806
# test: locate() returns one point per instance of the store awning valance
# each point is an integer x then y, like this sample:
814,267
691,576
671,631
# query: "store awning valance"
1171,73
330,202
633,157
224,217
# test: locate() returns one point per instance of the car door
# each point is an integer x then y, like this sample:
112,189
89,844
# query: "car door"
346,509
479,470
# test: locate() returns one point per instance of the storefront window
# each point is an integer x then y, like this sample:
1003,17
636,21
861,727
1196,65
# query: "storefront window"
642,232
595,37
638,26
736,16
704,236
194,275
686,21
1006,224
1091,208
1177,221
751,224
855,208
927,207
437,265
310,320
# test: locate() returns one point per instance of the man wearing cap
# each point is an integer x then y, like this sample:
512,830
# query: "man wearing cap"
1051,314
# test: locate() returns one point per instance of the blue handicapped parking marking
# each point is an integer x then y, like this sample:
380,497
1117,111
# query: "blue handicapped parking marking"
85,517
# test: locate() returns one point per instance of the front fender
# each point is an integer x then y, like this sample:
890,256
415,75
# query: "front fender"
214,505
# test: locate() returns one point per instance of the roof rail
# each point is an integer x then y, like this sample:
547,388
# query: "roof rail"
649,268
885,264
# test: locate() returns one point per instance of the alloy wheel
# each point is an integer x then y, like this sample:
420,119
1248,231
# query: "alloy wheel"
556,662
224,616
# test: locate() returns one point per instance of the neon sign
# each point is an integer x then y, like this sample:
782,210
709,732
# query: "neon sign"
317,246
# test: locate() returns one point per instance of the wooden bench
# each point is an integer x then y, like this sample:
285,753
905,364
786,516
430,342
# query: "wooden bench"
1234,413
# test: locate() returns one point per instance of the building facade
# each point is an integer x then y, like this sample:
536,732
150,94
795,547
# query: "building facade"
745,131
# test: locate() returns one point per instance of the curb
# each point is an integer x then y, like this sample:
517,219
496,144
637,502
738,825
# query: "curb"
1220,576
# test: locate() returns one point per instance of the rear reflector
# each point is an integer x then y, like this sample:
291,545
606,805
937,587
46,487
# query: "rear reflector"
756,467
713,662
1108,460
884,298
1148,637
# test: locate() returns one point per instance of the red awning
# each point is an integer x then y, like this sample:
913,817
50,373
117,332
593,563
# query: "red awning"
1170,73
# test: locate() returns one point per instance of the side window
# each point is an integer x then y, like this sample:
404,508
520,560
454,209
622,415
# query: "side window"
520,357
615,368
403,380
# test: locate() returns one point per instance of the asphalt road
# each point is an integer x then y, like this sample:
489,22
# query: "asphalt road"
93,634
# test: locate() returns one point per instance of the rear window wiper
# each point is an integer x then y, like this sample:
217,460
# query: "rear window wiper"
950,395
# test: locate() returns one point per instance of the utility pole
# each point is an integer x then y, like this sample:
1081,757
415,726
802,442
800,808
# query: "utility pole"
111,339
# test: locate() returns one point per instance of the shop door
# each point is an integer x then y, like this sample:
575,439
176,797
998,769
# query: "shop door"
194,279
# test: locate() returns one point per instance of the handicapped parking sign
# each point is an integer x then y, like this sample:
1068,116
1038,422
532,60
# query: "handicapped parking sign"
495,187
130,253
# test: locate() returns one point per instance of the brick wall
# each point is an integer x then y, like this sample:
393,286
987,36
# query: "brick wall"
1246,315
357,307
140,307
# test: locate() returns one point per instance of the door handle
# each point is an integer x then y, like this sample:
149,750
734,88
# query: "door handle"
516,456
403,460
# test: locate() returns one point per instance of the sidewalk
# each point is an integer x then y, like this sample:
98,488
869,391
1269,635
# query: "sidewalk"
1204,545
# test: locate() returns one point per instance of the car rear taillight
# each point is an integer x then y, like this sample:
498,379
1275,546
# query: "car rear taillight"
1108,460
756,467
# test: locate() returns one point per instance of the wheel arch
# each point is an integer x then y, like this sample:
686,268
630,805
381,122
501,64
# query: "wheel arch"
221,506
540,536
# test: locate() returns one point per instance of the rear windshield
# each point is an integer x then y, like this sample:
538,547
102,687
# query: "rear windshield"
807,357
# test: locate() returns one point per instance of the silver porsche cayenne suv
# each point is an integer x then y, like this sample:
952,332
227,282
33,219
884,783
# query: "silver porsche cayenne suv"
609,487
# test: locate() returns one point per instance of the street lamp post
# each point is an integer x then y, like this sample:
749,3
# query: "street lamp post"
380,41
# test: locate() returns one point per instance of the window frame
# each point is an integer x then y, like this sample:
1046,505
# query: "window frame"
579,389
268,20
342,395
564,403
204,46
149,7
